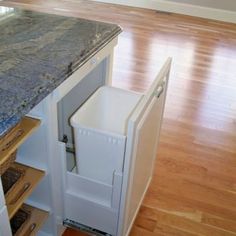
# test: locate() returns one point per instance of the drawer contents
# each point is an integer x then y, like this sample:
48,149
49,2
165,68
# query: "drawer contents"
10,177
11,141
27,221
18,220
18,183
99,127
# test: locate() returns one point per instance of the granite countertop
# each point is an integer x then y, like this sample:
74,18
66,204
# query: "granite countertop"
38,52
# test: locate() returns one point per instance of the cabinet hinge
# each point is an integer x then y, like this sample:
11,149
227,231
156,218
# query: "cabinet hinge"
65,139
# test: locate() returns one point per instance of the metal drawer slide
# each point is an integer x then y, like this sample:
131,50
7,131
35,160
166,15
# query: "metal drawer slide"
77,226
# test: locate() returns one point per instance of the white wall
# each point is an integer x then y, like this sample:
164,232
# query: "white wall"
218,4
223,10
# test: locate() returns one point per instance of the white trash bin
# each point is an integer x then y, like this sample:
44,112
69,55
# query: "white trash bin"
100,132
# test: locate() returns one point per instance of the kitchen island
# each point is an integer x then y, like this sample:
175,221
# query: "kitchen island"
51,66
43,58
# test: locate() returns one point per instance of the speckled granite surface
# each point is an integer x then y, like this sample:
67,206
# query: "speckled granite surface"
37,53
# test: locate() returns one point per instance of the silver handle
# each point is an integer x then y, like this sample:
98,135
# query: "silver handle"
30,230
6,146
159,91
160,88
20,193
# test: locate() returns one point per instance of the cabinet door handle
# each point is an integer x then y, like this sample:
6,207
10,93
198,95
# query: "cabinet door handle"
20,193
159,91
94,61
30,229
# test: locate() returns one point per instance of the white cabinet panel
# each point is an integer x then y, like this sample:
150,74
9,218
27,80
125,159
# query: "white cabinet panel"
5,229
142,139
145,153
2,200
111,206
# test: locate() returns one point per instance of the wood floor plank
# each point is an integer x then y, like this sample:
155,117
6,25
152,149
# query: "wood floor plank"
170,200
191,225
228,225
196,173
146,223
168,230
138,231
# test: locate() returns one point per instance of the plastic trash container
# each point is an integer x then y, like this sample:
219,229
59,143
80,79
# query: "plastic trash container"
100,132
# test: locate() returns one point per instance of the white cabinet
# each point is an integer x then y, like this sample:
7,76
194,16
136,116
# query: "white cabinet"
2,200
64,101
104,197
100,138
5,229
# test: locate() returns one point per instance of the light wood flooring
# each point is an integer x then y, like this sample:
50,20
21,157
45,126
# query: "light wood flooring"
193,191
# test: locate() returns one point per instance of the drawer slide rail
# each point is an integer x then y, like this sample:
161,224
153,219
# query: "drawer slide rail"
77,226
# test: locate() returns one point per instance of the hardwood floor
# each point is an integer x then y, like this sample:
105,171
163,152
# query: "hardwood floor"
193,191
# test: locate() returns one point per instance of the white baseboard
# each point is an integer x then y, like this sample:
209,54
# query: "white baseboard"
181,8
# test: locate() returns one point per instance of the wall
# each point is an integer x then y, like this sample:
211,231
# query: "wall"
218,4
223,10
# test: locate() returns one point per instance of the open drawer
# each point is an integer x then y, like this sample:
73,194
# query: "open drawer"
18,183
12,140
27,221
106,192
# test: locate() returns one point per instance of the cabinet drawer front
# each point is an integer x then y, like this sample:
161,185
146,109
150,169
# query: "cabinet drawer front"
145,143
12,140
24,186
143,134
93,203
91,214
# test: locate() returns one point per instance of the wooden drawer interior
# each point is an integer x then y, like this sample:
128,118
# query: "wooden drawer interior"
17,187
11,141
28,220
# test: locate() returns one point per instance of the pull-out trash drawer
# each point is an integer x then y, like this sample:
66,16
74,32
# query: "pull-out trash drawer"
116,134
100,140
